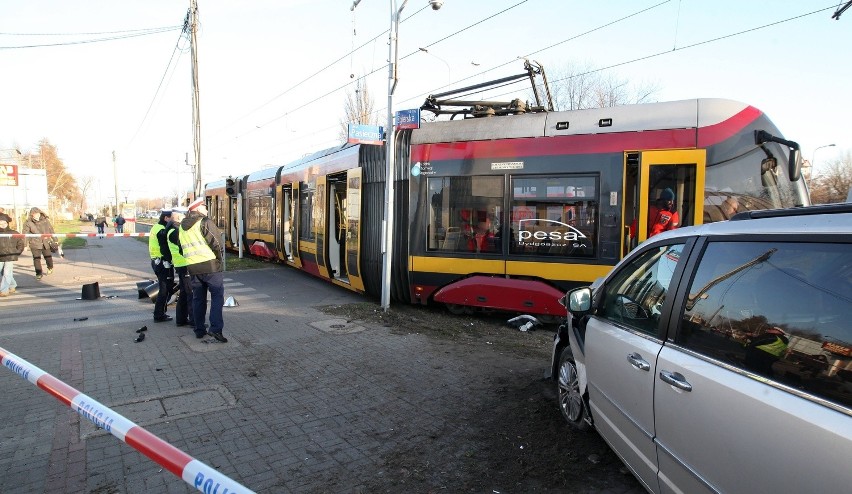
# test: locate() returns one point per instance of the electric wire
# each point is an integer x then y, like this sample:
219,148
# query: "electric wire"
650,56
572,38
96,40
257,127
608,67
159,86
320,71
379,112
147,29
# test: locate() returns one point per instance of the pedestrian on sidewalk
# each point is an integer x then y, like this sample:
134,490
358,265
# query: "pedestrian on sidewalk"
183,308
10,249
9,219
39,223
100,223
161,263
119,223
199,239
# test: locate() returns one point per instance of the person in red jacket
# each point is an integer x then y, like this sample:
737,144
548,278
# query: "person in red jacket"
662,215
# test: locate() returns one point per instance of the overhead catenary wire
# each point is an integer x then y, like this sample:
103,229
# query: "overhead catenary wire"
362,76
378,112
320,71
650,56
601,69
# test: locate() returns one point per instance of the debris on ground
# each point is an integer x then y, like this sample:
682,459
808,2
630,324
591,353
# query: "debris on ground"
524,322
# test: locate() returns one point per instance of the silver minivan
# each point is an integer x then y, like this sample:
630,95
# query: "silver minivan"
718,358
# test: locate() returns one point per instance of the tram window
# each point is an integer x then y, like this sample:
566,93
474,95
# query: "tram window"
554,216
465,214
306,208
260,214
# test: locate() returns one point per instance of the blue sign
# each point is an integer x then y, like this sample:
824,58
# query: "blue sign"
408,119
365,134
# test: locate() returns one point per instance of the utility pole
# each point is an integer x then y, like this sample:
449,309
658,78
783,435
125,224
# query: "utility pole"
192,172
115,183
196,105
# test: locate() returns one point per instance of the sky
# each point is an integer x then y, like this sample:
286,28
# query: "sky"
273,74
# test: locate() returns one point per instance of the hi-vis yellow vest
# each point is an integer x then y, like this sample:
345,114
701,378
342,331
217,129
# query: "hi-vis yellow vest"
195,248
776,347
153,245
177,258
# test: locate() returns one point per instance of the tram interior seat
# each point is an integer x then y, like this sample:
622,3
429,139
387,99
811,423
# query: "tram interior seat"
451,241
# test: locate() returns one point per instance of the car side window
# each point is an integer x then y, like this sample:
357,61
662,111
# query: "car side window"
635,295
778,310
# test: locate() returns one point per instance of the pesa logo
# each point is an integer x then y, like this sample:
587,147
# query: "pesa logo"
546,230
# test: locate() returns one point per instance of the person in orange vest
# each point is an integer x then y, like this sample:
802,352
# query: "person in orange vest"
662,215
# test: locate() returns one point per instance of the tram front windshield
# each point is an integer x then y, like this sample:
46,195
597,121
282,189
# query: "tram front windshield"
751,182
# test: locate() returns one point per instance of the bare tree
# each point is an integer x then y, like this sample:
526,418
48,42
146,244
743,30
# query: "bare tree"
359,108
86,183
833,182
62,188
578,86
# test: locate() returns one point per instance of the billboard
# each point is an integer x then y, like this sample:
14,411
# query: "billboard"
8,175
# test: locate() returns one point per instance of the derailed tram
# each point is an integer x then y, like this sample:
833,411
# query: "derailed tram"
508,212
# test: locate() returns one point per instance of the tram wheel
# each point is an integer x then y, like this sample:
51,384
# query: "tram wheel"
459,310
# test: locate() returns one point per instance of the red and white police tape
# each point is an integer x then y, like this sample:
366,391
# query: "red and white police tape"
71,235
192,471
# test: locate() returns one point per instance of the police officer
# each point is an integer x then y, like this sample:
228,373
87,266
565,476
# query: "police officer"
161,259
199,239
183,309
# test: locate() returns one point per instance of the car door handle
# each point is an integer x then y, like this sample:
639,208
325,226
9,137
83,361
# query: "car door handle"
637,361
676,379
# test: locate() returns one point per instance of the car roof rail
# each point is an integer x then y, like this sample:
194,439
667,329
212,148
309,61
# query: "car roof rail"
837,208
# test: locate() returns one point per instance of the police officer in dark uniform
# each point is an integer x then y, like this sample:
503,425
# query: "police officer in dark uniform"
183,309
161,263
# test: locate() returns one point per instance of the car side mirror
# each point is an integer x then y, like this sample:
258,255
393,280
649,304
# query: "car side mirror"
795,163
579,300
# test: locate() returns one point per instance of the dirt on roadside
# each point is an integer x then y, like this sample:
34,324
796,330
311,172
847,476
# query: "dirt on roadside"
515,437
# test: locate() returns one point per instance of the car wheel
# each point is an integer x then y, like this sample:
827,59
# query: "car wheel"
571,402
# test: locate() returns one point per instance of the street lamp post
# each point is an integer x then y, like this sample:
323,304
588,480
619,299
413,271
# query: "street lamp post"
813,158
393,59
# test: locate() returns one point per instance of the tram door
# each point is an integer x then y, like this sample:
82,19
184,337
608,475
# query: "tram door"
289,199
234,222
353,228
336,227
662,190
